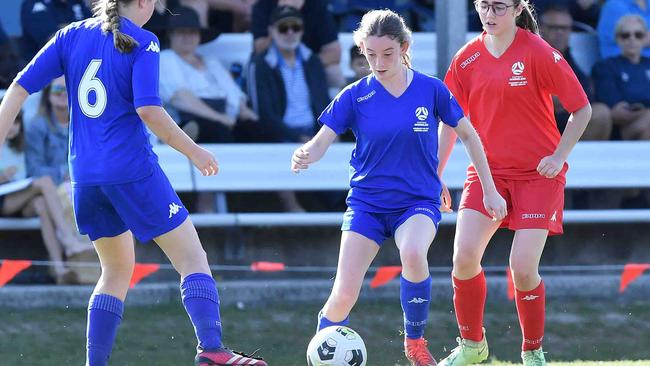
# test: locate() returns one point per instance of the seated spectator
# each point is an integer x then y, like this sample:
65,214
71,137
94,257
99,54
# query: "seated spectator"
555,27
623,82
585,12
37,197
40,19
46,155
357,8
288,85
231,15
46,150
358,64
196,84
9,61
320,33
610,15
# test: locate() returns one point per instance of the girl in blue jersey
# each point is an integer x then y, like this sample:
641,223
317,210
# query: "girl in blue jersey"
111,68
395,189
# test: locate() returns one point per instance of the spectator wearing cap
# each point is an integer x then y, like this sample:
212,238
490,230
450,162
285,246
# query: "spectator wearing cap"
320,32
40,19
287,85
555,27
195,83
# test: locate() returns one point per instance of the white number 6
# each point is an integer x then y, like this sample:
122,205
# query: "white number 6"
90,82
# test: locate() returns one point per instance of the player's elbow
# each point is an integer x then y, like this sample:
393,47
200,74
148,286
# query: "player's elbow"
148,113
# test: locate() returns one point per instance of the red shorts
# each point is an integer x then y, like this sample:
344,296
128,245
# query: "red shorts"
532,204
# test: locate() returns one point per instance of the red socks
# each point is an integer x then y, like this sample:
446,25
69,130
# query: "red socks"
531,307
469,302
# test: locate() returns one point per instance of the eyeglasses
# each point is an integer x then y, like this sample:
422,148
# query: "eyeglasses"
284,28
498,9
58,89
626,35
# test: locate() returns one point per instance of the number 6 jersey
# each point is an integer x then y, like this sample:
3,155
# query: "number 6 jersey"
109,144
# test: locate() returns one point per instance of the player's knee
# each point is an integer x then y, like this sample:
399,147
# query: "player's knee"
465,260
412,255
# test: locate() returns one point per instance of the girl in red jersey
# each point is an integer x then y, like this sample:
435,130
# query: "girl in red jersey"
504,80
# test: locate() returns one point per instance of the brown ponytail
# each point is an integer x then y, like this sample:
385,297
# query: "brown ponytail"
381,23
108,10
526,19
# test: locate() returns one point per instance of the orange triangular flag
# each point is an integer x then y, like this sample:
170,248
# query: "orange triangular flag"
630,273
267,266
10,268
142,270
510,283
384,275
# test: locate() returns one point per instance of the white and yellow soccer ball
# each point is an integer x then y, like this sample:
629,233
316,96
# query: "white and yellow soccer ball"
337,346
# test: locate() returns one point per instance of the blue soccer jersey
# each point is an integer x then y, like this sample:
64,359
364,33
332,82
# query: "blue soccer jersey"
395,160
109,144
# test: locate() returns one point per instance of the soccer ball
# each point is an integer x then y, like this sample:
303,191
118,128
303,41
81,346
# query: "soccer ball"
336,346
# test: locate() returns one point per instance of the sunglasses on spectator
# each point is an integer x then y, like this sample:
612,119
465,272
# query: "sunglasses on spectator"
57,89
626,35
284,28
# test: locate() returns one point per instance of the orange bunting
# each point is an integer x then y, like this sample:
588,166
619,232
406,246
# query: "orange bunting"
385,275
510,283
142,270
10,268
630,273
267,267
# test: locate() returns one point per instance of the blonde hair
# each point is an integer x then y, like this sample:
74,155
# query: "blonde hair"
630,18
379,23
108,11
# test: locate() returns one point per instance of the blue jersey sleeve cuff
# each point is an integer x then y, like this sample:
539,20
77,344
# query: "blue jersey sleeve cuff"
327,122
149,101
29,88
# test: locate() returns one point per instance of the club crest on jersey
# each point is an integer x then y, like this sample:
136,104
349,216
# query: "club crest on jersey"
517,79
421,113
153,47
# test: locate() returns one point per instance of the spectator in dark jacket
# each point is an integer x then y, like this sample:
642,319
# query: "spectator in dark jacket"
40,19
288,87
287,82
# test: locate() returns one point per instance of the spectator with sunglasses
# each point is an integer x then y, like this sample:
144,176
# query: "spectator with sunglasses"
610,15
287,86
623,82
320,32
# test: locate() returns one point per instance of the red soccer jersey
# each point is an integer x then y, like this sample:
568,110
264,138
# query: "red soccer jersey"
508,100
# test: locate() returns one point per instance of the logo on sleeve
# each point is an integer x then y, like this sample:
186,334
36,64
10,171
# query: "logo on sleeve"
517,79
421,113
556,56
366,97
174,209
153,47
469,60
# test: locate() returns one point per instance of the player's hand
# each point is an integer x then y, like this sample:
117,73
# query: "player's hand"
300,160
550,166
204,161
495,205
445,199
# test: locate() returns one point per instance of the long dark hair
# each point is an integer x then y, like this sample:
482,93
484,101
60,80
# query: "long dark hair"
108,10
17,143
379,23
